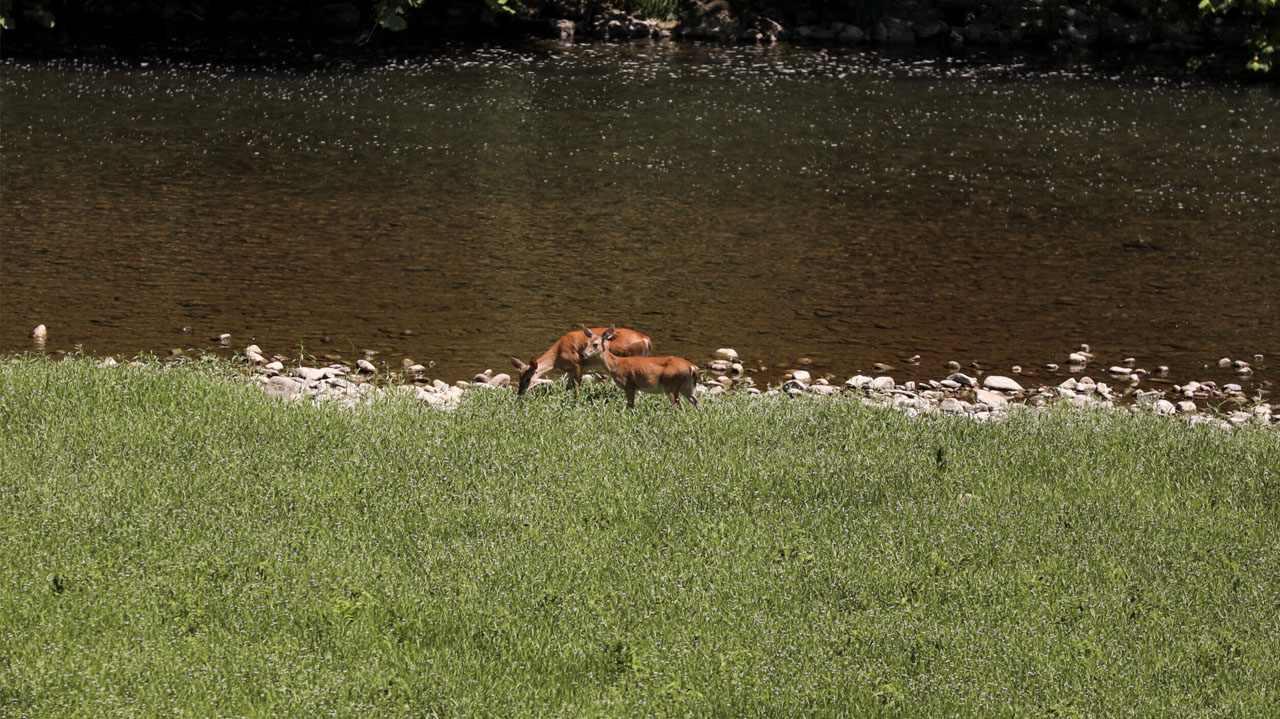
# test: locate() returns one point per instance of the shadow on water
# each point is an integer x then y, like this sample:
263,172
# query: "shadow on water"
844,207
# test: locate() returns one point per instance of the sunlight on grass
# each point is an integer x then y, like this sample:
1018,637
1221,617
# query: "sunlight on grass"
175,541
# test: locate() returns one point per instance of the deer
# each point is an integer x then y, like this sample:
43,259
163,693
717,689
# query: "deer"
672,376
568,355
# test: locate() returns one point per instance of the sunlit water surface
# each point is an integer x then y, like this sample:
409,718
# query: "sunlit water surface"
790,203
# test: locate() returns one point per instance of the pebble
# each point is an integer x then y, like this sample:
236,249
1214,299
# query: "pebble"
1232,388
1075,358
1224,362
881,367
800,375
1258,359
502,379
1051,367
726,353
950,384
857,381
1002,384
1117,370
1162,370
255,349
824,389
366,366
1129,362
312,374
951,405
40,332
274,366
1069,383
1186,406
1165,407
736,368
963,380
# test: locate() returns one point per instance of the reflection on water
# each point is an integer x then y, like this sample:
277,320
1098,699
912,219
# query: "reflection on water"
480,202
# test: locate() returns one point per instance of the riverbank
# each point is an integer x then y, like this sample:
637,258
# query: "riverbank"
1233,37
181,542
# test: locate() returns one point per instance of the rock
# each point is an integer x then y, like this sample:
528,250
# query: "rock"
1079,401
881,367
726,382
720,366
224,338
440,385
1258,359
1119,371
727,353
1162,370
951,405
366,366
800,375
1002,384
253,348
1232,387
482,379
949,384
415,369
857,381
1224,362
990,399
824,389
1186,406
953,365
312,374
40,332
1076,358
502,379
736,368
851,35
1051,367
281,386
1129,362
109,362
1244,372
963,380
1165,407
895,31
1070,383
274,366
882,384
254,357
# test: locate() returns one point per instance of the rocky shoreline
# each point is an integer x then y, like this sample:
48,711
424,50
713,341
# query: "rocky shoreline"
982,398
1056,26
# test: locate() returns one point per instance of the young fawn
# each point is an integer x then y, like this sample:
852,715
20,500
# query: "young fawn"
672,376
569,355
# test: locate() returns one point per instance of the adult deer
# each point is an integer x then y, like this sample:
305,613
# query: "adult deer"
672,376
567,355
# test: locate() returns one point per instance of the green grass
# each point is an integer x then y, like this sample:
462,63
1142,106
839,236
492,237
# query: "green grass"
175,543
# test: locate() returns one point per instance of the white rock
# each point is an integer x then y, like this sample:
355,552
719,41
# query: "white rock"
366,366
1075,358
40,332
882,384
312,374
224,338
1069,383
502,379
800,375
1079,401
1224,362
991,399
727,353
1129,362
253,348
720,366
415,369
963,379
1233,387
1186,406
793,386
857,381
824,389
1119,371
480,379
255,358
1164,407
281,386
1258,359
1001,384
951,405
725,382
109,362
274,366
949,384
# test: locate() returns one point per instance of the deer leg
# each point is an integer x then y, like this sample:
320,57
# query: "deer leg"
575,378
631,397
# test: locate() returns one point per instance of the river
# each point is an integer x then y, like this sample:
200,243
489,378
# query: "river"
831,208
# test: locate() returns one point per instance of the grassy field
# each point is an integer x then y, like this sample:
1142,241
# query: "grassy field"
174,543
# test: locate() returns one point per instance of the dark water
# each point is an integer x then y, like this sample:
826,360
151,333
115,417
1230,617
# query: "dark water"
786,202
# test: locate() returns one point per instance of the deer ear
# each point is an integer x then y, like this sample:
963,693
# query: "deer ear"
608,334
533,363
518,364
587,331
